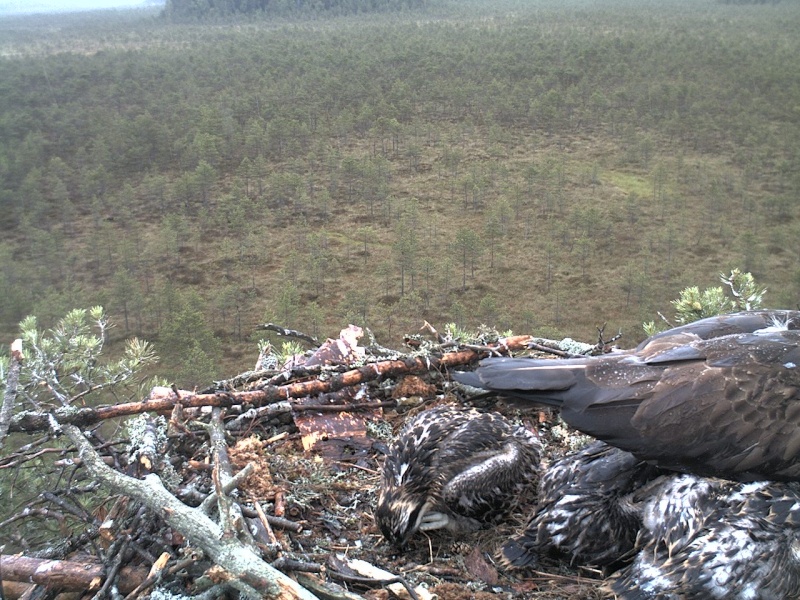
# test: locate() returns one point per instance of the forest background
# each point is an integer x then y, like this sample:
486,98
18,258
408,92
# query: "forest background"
541,166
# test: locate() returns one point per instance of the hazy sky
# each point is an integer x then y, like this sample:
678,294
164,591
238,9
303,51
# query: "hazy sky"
31,6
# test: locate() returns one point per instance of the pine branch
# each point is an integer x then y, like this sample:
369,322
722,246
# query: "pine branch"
247,570
164,399
10,396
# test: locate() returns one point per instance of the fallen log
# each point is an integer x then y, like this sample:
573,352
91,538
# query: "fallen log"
66,574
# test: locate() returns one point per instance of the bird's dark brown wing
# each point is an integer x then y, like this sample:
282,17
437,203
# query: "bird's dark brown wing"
690,399
734,413
727,406
729,324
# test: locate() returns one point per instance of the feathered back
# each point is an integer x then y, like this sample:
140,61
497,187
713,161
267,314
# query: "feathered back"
712,538
584,509
457,463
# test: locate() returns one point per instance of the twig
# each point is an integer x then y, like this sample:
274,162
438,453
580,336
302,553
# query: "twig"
356,406
10,396
156,572
665,319
566,578
325,589
262,516
373,348
242,379
356,466
284,563
369,581
112,573
270,411
77,511
292,333
227,487
279,505
297,372
553,351
16,459
604,346
490,350
439,337
284,523
26,512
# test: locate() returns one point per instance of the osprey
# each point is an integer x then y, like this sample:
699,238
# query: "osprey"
719,397
587,509
712,538
454,468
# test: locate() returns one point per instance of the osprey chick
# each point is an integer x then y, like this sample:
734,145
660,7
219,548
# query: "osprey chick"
454,468
586,509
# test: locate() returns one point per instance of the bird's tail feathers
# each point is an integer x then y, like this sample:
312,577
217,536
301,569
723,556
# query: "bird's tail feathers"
495,378
516,554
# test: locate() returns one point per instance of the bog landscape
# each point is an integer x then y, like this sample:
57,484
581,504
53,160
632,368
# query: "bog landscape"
533,166
202,169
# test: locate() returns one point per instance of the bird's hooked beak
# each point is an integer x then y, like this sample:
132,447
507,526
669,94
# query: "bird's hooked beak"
401,519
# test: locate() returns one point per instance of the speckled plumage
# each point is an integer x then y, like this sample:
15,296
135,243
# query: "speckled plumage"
716,539
718,397
454,468
585,509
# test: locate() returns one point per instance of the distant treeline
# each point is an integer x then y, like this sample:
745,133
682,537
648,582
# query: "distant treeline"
217,8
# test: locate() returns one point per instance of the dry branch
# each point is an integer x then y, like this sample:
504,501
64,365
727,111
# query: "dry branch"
291,333
164,399
10,395
247,570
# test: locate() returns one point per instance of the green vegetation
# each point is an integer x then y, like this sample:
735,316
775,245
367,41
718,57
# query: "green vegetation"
741,293
62,363
214,9
64,368
540,164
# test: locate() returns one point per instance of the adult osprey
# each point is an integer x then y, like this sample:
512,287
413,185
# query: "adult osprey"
454,468
718,397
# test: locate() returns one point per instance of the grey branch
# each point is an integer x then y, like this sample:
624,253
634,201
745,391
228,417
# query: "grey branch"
10,397
247,570
292,333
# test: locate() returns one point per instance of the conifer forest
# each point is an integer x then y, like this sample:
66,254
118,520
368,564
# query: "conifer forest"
526,165
209,187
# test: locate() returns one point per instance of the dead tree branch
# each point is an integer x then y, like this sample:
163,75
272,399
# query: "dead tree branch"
66,574
247,570
291,333
10,396
163,399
